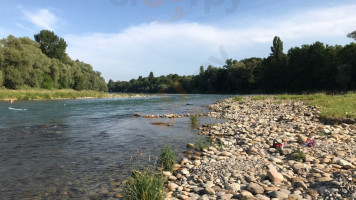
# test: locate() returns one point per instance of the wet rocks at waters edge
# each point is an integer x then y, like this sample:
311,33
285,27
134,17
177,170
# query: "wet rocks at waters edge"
243,164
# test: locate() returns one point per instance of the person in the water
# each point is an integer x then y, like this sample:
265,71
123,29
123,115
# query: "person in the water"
11,100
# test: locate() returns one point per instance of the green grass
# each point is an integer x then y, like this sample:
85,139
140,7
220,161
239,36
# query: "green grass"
237,98
194,118
277,102
219,146
331,106
144,185
167,158
202,143
259,98
298,155
41,94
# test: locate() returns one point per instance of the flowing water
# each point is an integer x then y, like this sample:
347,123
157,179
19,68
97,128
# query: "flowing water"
83,149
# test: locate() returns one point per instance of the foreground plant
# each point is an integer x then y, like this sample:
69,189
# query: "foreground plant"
299,155
202,143
194,118
167,158
144,185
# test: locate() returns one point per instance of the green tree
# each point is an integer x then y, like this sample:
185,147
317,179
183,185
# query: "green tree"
80,82
151,76
352,35
47,82
13,78
277,48
51,45
1,79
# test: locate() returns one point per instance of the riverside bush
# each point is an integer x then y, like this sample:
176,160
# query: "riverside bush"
144,185
167,158
194,118
202,143
299,155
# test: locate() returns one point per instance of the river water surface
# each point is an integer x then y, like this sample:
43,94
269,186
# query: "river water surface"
82,149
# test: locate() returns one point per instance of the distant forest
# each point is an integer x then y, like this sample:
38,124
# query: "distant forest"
43,63
309,68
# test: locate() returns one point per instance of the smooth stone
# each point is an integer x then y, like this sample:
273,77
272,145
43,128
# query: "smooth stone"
209,190
190,146
167,173
204,197
324,179
244,194
302,139
279,195
353,195
294,196
226,197
225,153
172,178
235,187
208,184
255,188
253,151
271,188
345,164
172,186
261,197
185,171
274,175
277,160
298,166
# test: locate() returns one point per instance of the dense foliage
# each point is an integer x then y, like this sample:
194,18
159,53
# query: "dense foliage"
352,35
25,63
309,68
51,45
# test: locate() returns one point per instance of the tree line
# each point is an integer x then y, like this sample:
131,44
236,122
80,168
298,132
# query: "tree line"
43,63
309,68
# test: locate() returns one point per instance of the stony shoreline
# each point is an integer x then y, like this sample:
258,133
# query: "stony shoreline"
246,165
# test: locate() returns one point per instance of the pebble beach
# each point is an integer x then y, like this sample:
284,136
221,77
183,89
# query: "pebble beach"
247,163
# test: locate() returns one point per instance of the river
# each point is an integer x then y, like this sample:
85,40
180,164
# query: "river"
83,149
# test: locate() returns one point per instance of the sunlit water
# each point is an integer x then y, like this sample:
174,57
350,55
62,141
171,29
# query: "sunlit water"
82,149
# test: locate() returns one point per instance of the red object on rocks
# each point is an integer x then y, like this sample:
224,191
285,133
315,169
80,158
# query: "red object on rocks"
310,143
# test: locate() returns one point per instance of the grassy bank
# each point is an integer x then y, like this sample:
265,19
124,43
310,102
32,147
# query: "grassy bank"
39,94
332,107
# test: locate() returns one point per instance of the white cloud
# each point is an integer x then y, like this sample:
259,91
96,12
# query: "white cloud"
42,18
181,48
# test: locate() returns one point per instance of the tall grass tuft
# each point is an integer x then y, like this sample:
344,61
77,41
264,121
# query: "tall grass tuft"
144,186
194,118
202,143
167,158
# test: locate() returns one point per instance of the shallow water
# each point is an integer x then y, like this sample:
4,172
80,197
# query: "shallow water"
82,149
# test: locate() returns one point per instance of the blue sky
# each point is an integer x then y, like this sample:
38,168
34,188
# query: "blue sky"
124,39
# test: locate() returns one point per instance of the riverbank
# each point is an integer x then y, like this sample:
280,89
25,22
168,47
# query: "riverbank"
28,95
270,148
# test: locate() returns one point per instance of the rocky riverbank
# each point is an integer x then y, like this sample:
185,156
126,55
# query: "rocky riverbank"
262,152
